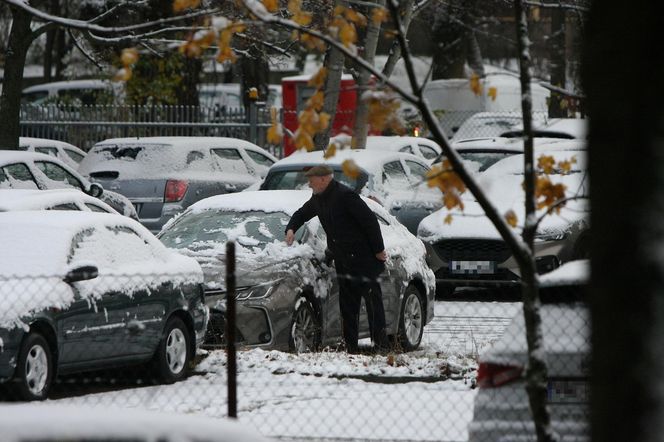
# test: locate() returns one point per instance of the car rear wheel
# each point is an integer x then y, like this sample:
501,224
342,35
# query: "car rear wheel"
305,328
411,319
174,352
34,369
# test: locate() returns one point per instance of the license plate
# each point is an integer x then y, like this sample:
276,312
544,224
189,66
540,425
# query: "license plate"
567,392
473,267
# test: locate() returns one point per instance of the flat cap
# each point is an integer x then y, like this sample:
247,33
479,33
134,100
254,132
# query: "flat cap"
321,170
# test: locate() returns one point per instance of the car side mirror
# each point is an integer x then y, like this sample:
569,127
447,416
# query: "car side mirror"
95,190
81,273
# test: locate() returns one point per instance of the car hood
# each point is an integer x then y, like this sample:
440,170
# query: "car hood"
253,268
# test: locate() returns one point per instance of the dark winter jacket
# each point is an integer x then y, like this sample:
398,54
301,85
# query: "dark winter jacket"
353,233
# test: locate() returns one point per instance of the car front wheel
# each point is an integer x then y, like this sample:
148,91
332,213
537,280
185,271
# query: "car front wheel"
411,319
174,352
305,328
34,369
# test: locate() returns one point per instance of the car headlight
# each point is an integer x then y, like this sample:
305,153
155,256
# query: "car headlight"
259,291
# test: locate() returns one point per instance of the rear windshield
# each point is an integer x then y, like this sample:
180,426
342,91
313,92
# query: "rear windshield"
295,180
144,158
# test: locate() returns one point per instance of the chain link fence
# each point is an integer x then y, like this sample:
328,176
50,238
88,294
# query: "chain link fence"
124,341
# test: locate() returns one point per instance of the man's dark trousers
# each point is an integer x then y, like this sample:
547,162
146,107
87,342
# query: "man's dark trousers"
352,288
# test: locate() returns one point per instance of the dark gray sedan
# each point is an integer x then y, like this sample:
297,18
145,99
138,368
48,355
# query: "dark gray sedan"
288,296
163,176
84,291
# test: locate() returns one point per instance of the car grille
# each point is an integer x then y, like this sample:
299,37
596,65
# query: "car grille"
472,250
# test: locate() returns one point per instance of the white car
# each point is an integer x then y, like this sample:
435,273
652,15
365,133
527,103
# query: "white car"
397,180
424,148
492,124
501,410
27,170
67,153
469,251
56,199
57,423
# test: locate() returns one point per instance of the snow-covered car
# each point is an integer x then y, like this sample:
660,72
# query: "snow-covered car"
65,152
288,296
57,423
83,291
481,153
397,180
56,199
492,124
163,176
28,170
469,251
565,128
501,409
424,148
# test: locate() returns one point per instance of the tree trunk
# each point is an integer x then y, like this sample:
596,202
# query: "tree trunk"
622,76
557,54
10,100
334,62
361,125
536,374
406,8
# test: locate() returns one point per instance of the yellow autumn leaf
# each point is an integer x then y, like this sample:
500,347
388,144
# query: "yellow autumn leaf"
302,18
492,93
303,140
448,219
350,169
316,101
330,151
323,121
475,84
535,13
271,5
511,218
275,134
355,17
546,163
347,34
379,15
181,5
129,56
318,80
339,10
123,74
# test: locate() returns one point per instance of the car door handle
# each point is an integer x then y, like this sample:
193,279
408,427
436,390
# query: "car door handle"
231,187
135,326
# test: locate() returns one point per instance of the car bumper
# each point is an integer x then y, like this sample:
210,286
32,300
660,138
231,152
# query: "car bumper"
503,414
495,265
10,342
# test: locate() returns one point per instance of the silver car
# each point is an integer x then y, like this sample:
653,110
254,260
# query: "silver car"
397,180
163,176
502,411
288,297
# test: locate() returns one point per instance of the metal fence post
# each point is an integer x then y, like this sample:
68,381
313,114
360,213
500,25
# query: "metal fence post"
253,121
231,363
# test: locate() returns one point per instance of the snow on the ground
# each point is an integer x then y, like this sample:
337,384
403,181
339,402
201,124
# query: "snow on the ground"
424,395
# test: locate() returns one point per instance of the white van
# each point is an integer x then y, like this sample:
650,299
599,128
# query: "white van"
453,100
86,92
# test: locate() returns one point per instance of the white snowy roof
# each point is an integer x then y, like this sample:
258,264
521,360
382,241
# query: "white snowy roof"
185,142
70,84
15,156
45,142
370,160
516,144
23,199
287,201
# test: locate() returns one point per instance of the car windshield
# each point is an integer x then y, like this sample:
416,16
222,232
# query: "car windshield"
295,180
209,228
483,160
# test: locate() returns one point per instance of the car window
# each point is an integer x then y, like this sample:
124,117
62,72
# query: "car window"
230,160
17,176
394,173
259,158
428,152
417,171
74,155
56,173
95,208
68,206
407,149
52,151
295,179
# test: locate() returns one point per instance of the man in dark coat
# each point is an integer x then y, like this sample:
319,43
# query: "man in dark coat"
356,243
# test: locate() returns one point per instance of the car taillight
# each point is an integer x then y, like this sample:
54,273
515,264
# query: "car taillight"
494,375
175,190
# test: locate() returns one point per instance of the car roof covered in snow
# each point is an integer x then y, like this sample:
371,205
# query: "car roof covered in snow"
24,199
